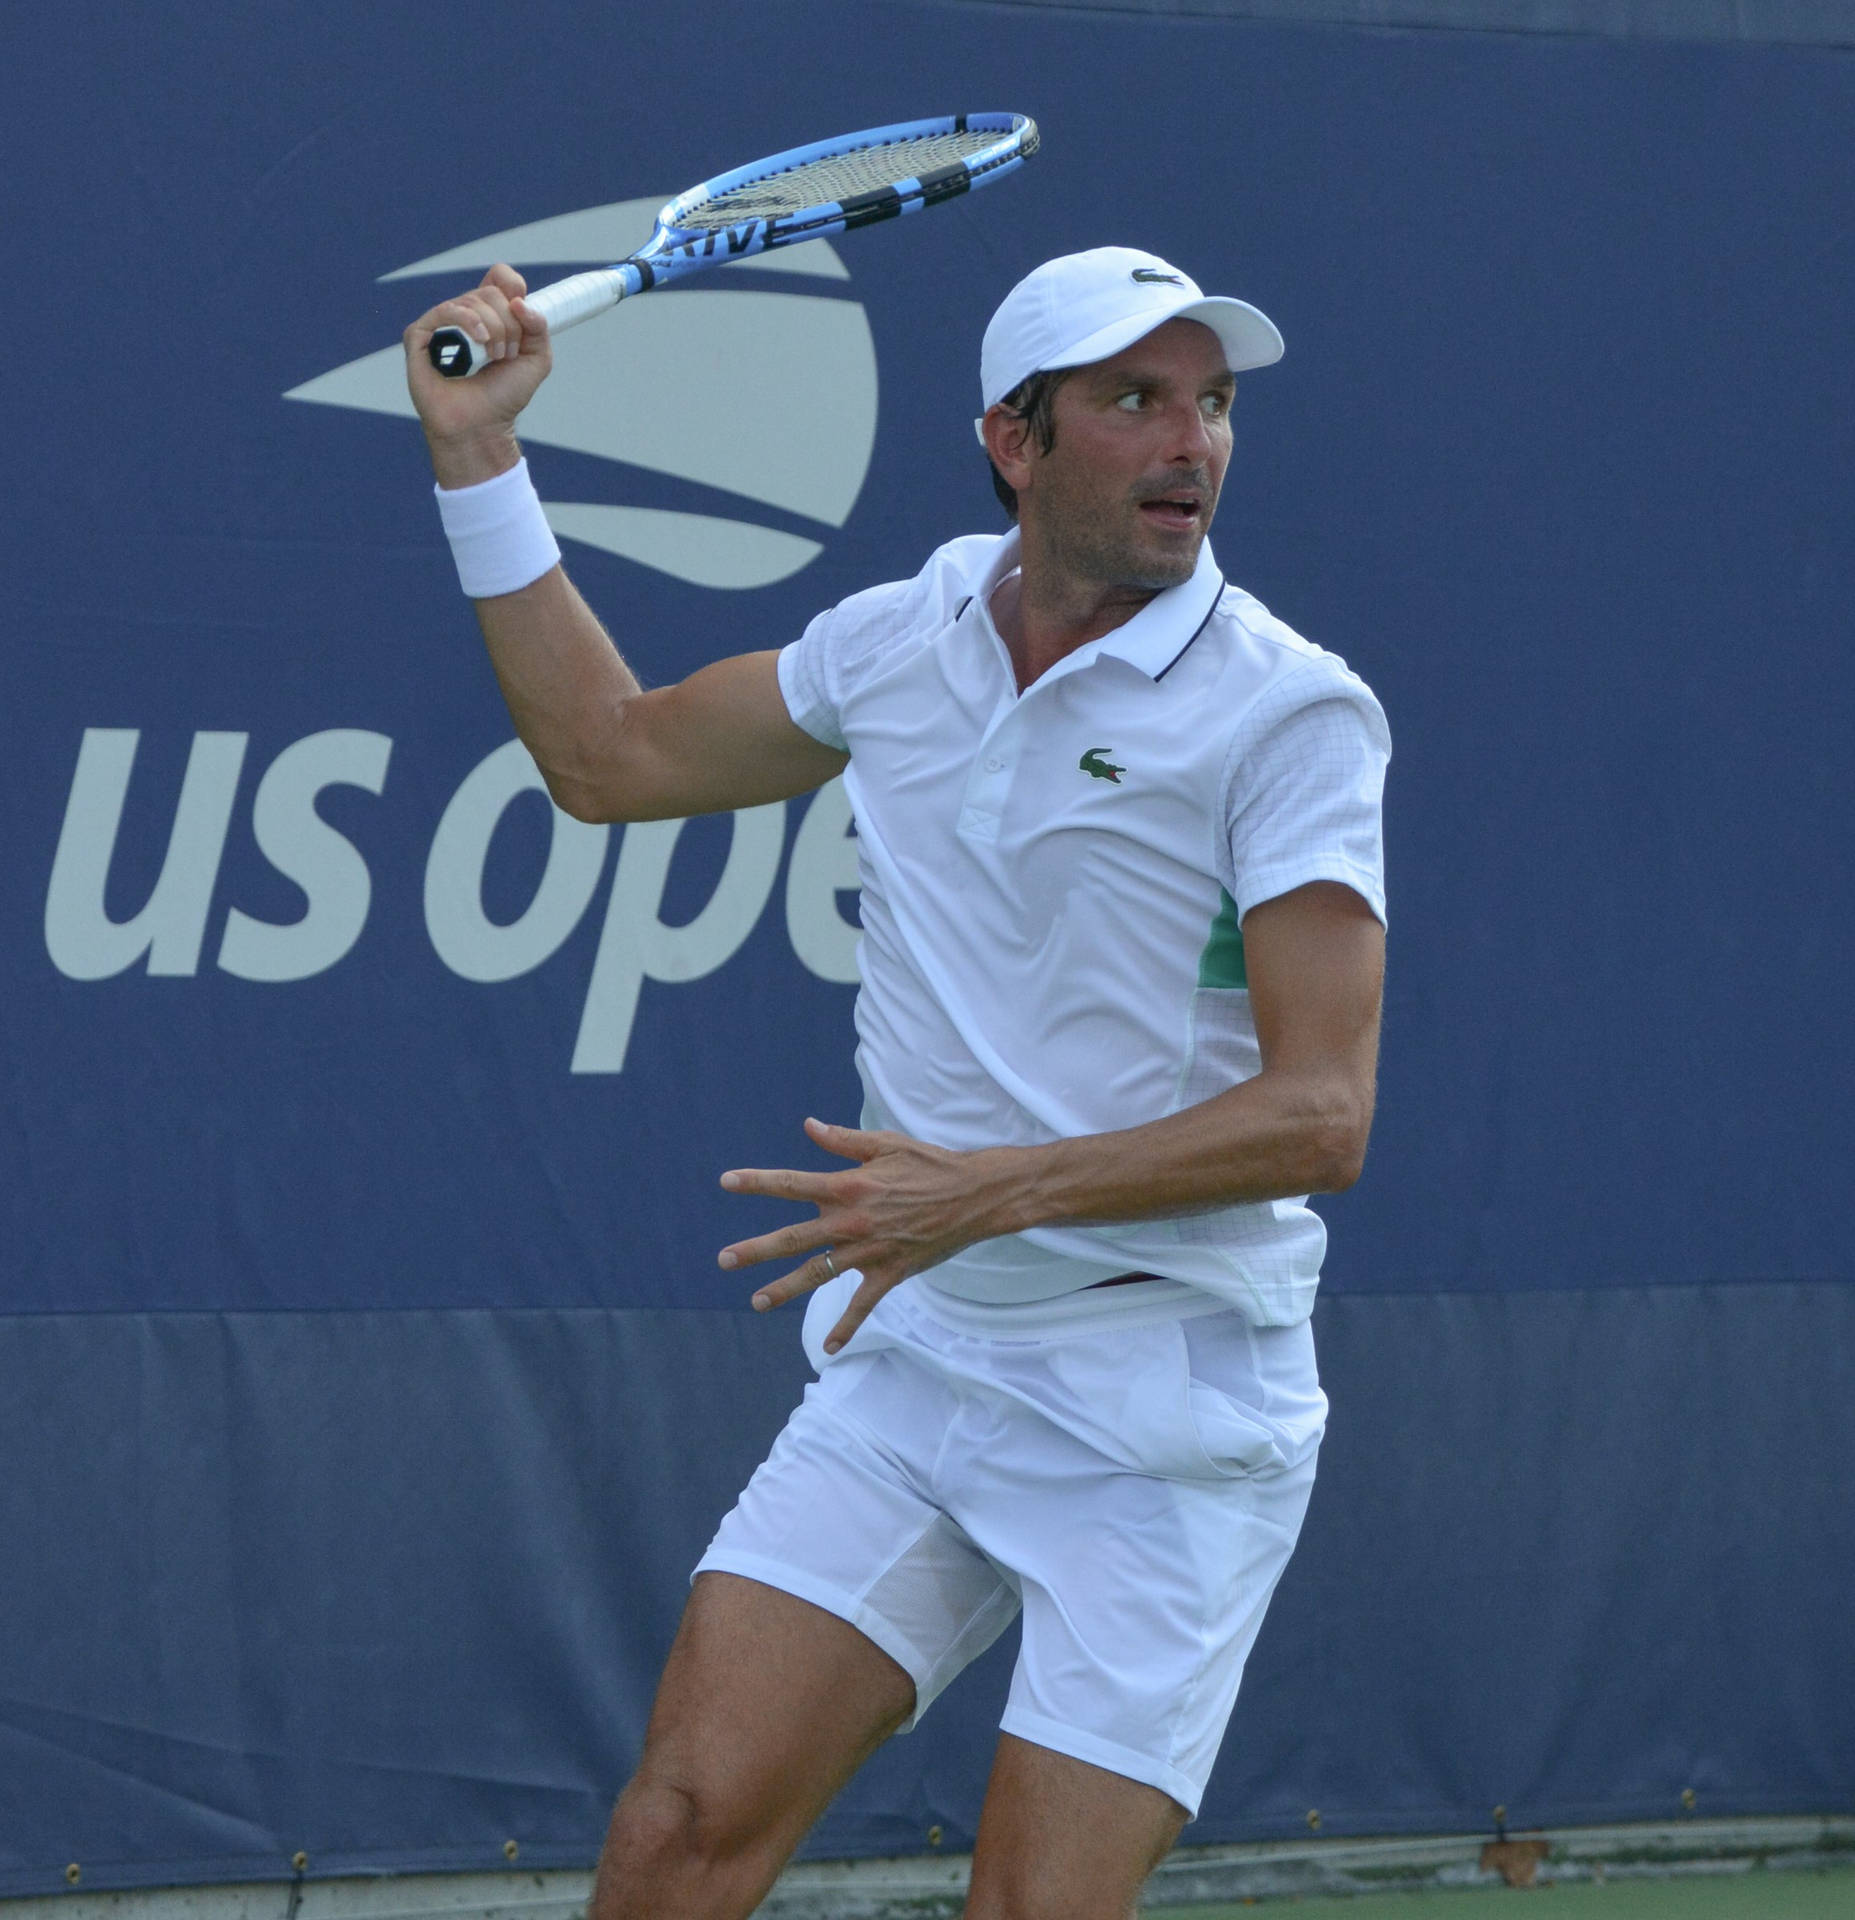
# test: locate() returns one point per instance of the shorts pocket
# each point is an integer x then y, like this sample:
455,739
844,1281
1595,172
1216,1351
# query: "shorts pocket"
1233,1439
1133,1395
1255,1397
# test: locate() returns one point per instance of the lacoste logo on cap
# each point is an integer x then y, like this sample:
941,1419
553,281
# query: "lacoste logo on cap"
1092,763
1151,276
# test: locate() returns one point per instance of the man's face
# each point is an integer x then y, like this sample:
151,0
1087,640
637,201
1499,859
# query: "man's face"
1125,496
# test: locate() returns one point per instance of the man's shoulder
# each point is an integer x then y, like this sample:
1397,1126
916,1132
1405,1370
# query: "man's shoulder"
1281,659
868,631
952,574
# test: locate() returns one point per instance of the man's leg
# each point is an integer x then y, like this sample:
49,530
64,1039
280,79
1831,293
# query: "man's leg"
766,1707
1062,1840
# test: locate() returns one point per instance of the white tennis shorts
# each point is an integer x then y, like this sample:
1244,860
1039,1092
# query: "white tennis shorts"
1136,1488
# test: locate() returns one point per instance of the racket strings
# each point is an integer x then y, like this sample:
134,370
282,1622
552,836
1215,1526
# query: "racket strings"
836,177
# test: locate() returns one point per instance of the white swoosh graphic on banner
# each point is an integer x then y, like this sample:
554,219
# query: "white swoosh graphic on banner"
767,396
697,547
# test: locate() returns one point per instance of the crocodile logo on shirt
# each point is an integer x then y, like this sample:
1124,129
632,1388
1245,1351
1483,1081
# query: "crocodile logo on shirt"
1092,763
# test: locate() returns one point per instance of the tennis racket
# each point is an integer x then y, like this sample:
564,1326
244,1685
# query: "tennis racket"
806,194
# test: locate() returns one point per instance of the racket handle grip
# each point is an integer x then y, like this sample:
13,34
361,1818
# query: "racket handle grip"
563,304
454,354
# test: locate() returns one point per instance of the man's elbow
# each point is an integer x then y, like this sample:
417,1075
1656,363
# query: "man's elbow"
1338,1149
595,772
580,799
597,790
1339,1172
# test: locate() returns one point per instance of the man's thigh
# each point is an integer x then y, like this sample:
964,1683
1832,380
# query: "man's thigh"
766,1699
1060,1839
844,1512
766,1707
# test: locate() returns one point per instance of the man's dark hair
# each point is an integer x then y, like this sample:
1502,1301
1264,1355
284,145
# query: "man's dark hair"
1032,400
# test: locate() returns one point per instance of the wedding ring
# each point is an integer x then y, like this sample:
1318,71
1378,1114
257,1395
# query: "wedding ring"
830,1265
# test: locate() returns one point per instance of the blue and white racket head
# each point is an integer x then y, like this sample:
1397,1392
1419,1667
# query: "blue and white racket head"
806,193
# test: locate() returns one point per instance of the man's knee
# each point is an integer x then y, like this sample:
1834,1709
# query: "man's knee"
766,1707
657,1821
671,1850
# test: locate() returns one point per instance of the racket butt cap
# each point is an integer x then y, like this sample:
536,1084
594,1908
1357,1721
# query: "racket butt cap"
454,354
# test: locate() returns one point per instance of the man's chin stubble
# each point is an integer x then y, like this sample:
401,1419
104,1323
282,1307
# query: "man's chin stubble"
1134,569
1156,572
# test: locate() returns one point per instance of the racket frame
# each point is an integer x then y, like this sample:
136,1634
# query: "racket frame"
675,250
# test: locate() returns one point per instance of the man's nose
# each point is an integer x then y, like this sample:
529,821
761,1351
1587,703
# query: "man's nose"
1189,443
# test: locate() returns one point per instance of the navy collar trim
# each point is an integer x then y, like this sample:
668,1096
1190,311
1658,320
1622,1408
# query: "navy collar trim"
1216,599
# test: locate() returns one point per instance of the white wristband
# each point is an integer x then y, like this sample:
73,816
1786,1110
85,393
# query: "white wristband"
499,536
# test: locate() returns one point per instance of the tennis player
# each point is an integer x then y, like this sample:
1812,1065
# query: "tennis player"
1122,954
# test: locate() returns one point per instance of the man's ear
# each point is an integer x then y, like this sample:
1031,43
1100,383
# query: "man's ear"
1008,443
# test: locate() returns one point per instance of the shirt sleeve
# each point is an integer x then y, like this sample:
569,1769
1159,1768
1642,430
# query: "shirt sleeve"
1305,790
806,680
822,672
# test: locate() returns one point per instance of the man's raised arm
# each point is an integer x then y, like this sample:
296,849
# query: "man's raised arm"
608,749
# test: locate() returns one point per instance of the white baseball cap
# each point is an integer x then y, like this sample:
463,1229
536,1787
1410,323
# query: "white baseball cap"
1085,307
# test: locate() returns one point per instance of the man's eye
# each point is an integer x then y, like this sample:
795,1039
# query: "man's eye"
1131,402
1215,405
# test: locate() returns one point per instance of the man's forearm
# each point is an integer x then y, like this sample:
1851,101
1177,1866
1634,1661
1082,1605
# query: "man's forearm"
565,683
907,1206
1316,962
1269,1138
719,740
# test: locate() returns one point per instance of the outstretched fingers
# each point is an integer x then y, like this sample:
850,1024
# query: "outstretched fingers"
784,1243
802,1280
901,1208
779,1183
862,1305
849,1143
813,1275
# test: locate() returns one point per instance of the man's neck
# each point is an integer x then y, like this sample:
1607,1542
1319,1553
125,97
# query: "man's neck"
1042,619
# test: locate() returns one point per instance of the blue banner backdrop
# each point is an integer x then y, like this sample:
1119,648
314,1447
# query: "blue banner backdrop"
366,1382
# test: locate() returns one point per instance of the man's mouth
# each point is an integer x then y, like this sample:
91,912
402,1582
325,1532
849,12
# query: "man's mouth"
1178,513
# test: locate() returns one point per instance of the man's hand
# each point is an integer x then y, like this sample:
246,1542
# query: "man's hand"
904,1207
1316,966
470,424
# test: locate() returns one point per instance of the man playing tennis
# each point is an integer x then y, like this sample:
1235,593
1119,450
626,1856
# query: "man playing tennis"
1121,966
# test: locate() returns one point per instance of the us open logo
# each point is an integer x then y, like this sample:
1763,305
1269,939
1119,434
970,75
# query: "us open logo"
764,397
171,932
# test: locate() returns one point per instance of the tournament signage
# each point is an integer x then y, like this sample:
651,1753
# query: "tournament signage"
791,427
167,935
368,1385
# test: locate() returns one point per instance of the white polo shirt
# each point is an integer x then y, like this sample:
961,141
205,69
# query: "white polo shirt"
1053,885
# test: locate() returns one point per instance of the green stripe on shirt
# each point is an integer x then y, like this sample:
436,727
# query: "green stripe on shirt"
1221,963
